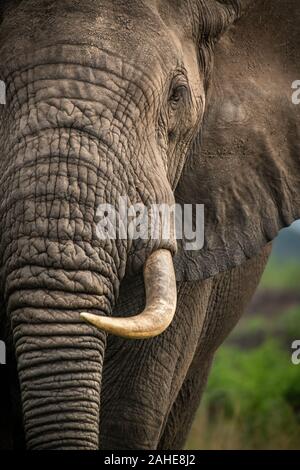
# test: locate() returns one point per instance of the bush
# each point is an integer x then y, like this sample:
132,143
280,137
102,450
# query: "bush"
255,397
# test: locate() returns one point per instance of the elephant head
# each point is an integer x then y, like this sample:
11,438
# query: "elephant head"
155,101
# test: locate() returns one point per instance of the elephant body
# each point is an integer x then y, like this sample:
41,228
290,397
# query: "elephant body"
142,100
149,404
154,402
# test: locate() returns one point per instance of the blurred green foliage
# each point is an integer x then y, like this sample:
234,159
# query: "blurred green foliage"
280,275
252,400
258,391
255,329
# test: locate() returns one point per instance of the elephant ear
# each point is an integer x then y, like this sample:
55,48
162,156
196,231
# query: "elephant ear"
245,163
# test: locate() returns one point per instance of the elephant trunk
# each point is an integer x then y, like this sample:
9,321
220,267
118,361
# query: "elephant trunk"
60,368
53,268
66,153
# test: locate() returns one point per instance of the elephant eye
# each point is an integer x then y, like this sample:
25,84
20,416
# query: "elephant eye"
177,95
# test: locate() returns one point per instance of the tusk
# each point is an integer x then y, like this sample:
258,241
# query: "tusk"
161,296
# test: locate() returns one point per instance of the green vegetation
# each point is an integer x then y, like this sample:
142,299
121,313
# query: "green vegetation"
281,276
252,400
255,329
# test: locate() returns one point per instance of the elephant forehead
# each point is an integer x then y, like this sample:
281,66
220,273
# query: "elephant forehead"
133,30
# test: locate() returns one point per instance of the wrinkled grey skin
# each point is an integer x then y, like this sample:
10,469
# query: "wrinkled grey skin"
107,98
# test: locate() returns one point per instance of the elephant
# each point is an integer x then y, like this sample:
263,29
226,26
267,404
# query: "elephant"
187,102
